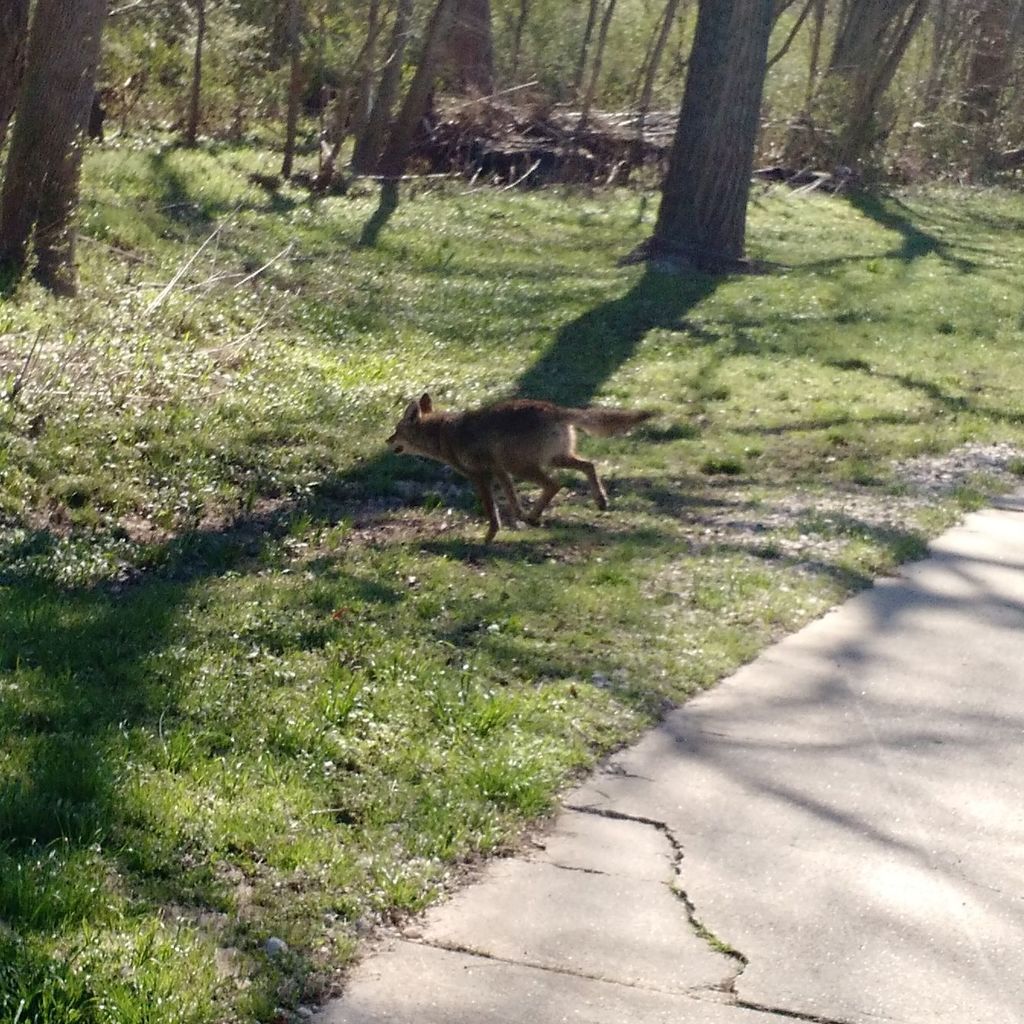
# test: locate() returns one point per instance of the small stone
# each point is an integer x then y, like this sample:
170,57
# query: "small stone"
275,946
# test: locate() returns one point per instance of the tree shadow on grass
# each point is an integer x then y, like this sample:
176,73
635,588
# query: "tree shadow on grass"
590,349
896,216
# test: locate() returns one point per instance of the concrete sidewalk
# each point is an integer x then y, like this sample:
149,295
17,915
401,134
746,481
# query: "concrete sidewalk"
835,833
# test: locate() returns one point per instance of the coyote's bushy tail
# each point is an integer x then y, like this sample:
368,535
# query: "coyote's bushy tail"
606,422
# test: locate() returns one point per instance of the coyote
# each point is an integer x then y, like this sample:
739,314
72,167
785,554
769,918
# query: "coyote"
522,438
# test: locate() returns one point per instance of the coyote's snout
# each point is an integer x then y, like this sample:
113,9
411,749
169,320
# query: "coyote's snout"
521,438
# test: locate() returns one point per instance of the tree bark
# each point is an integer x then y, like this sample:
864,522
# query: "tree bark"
192,125
668,19
365,65
294,86
371,142
650,71
989,65
595,67
876,38
13,37
517,36
470,49
40,192
702,217
997,26
414,106
588,32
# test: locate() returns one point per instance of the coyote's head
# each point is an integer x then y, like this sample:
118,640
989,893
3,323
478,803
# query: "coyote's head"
409,435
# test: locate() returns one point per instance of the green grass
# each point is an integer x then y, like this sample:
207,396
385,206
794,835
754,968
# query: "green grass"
259,678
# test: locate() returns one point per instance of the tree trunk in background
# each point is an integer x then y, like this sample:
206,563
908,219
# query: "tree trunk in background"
595,67
40,193
657,50
371,142
414,106
517,36
13,37
403,131
470,49
988,74
703,212
588,32
872,38
365,66
989,65
192,125
294,86
815,57
352,104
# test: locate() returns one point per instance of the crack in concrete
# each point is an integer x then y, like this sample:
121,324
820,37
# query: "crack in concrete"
703,932
459,948
811,1018
571,867
728,986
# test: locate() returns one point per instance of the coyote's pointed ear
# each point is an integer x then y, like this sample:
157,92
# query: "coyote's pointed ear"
426,405
411,414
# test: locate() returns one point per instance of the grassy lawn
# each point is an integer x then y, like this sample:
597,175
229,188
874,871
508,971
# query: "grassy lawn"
259,677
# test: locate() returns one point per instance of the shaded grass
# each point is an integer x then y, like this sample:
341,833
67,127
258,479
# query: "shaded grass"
260,678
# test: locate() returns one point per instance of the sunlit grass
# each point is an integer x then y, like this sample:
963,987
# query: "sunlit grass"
259,678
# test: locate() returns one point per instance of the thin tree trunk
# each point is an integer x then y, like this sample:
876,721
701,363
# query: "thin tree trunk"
192,128
870,81
349,96
702,217
13,37
654,57
365,70
517,36
595,67
403,130
371,142
793,32
294,86
40,192
581,61
937,68
815,59
414,106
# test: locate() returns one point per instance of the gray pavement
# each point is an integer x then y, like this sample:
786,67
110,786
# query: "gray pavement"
834,833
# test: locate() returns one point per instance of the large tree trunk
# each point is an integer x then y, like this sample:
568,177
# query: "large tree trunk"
470,49
703,212
294,86
40,193
192,124
371,142
13,36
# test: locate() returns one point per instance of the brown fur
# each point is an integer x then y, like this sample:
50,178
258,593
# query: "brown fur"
521,438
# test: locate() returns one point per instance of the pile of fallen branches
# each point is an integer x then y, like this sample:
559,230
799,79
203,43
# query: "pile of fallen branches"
501,143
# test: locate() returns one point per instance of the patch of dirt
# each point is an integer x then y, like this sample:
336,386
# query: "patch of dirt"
819,523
